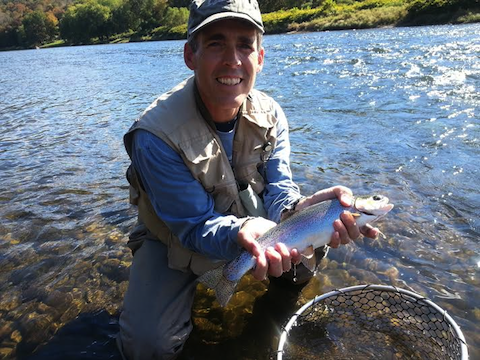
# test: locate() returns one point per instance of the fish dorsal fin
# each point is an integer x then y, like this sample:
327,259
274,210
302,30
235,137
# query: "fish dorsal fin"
308,258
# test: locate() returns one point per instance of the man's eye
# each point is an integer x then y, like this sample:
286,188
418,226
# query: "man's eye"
246,46
214,44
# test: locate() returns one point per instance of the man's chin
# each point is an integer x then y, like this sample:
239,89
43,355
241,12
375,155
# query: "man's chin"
232,102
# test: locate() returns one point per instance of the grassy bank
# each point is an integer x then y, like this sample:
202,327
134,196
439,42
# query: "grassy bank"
333,15
357,15
362,19
373,13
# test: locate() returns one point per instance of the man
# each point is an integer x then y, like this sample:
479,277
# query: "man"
196,152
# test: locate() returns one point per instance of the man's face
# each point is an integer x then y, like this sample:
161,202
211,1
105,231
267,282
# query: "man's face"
226,63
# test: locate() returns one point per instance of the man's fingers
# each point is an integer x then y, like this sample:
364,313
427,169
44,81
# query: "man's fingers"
275,267
286,258
342,231
344,195
277,261
369,231
261,267
335,240
296,256
350,225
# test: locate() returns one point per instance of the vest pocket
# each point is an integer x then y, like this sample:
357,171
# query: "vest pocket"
179,257
197,152
223,197
212,170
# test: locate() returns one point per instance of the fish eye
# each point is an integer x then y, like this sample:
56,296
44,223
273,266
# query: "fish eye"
377,197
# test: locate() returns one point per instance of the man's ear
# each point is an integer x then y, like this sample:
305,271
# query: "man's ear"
261,58
189,56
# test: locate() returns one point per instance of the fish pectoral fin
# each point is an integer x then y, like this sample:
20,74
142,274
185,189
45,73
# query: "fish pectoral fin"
308,252
381,233
308,258
310,263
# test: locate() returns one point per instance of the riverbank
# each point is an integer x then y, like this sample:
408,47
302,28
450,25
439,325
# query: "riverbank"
364,15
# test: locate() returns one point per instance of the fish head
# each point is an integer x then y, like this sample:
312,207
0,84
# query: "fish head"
372,207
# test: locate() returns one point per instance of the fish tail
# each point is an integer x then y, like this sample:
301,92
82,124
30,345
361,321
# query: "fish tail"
223,287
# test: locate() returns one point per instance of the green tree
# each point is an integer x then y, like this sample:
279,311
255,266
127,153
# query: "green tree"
37,28
153,15
175,16
436,11
120,19
139,12
83,22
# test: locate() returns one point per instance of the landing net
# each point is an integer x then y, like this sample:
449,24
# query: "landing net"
371,321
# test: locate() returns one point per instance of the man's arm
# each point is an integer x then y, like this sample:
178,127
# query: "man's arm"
280,190
181,201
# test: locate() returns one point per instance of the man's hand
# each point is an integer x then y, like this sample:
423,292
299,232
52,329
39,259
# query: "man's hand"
346,228
273,260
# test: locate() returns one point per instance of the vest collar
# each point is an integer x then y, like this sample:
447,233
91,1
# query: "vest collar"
257,112
201,106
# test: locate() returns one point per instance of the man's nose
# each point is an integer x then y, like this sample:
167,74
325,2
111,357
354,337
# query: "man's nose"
231,56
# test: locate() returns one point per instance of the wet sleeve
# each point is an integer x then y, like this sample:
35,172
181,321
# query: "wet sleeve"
181,201
280,190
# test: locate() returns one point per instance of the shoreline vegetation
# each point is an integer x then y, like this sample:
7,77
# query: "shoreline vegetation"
53,23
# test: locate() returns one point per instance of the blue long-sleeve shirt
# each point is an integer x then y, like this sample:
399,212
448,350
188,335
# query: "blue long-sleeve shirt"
188,210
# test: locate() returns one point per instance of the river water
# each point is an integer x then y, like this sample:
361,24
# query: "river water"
393,111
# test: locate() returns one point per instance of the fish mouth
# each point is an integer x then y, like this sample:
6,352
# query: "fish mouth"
380,211
376,205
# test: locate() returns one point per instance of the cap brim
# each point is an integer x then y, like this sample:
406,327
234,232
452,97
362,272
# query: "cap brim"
223,16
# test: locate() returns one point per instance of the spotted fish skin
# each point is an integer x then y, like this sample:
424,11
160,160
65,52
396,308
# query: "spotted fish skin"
310,228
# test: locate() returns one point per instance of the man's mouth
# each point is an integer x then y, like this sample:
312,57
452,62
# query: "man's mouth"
229,81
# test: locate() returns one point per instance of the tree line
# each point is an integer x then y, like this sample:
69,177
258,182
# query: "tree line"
33,23
30,23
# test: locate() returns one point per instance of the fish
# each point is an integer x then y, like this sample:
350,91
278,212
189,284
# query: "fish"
305,230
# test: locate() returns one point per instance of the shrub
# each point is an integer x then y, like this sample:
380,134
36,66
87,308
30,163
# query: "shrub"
355,20
279,21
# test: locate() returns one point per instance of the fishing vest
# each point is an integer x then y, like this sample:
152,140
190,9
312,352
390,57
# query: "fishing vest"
175,118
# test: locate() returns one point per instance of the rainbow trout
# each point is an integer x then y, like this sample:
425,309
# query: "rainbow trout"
305,231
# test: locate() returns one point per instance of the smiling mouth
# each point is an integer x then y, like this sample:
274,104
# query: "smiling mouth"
229,81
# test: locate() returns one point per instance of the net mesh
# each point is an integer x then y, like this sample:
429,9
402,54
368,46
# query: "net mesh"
367,322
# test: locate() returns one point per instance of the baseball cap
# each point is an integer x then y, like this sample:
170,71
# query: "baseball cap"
204,12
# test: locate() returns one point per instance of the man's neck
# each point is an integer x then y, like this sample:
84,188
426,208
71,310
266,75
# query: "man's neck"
226,126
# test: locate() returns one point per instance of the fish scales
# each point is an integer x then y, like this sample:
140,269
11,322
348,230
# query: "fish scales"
307,229
315,222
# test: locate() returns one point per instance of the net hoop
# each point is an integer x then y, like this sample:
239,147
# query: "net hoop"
417,297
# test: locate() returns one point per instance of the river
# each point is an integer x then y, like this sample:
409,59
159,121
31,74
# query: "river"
393,111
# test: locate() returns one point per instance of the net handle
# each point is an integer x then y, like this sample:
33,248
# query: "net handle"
417,297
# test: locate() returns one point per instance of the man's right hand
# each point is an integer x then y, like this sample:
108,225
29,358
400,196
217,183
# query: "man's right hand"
273,261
